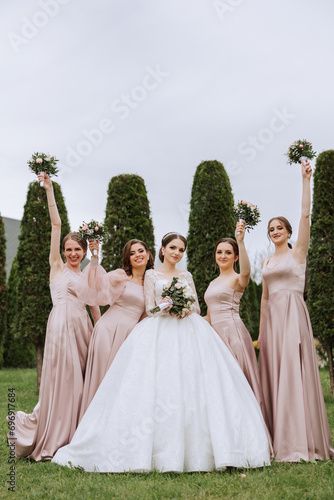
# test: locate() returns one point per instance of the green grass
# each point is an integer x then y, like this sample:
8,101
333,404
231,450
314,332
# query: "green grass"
46,480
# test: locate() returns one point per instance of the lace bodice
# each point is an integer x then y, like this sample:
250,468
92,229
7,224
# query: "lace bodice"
153,287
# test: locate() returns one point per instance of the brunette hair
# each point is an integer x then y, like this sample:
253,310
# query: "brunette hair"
126,256
286,224
75,237
234,245
167,239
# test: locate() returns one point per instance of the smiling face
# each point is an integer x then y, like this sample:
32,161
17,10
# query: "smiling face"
174,251
278,232
138,256
73,253
225,256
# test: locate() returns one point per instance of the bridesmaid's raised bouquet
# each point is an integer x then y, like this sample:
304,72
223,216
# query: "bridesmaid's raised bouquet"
92,230
41,162
180,297
300,150
248,213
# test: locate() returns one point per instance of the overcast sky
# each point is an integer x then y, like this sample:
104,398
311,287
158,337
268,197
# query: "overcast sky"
154,87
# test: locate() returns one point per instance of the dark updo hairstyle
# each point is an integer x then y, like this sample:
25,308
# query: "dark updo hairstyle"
285,223
234,245
126,256
75,237
167,239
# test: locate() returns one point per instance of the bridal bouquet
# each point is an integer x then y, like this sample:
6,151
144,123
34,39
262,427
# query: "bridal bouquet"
181,299
248,213
92,230
300,149
41,162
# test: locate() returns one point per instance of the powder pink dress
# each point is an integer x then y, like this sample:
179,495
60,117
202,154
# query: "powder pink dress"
127,306
289,370
55,417
223,307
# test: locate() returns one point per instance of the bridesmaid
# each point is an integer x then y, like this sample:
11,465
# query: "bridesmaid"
223,297
52,423
288,364
122,289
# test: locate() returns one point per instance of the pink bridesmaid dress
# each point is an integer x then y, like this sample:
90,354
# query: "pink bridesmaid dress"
223,307
127,305
52,423
288,368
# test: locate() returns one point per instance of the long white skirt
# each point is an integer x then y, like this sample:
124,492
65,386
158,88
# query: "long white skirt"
174,399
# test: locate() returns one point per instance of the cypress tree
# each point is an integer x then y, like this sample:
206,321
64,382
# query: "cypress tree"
211,217
3,306
250,308
127,216
320,262
18,352
33,294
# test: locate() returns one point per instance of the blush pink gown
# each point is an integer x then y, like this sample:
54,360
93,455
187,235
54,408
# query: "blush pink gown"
127,305
223,307
55,417
288,368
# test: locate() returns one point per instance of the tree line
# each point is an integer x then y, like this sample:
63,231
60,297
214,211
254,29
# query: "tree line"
25,300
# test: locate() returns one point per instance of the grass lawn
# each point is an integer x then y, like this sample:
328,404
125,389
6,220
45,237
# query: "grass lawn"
46,480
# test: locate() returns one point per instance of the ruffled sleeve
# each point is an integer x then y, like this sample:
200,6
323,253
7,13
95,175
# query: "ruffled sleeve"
149,289
99,288
191,283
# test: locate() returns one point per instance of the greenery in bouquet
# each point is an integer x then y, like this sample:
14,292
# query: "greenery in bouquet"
300,149
181,297
41,162
247,212
92,230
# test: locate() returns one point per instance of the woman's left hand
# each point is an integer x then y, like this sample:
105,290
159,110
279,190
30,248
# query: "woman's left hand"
306,169
94,247
240,231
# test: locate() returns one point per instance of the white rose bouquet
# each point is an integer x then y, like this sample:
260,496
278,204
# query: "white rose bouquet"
299,150
92,230
41,162
248,213
180,299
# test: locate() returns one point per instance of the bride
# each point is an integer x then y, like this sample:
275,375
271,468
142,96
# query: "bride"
174,399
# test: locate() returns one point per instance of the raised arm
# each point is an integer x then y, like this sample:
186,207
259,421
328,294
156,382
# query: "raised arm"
97,287
55,259
301,247
244,263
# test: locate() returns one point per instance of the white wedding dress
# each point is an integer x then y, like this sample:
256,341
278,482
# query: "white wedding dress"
174,399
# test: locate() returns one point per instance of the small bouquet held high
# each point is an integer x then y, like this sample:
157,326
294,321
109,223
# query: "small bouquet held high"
300,150
92,230
247,213
181,299
41,162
